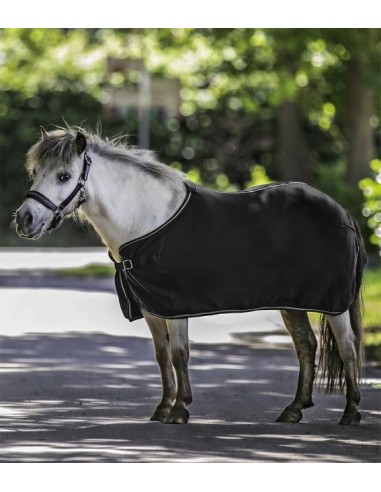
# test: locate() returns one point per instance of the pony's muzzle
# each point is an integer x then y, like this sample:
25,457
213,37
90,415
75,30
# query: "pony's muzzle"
29,223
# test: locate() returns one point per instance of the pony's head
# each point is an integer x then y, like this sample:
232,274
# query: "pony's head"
59,163
56,163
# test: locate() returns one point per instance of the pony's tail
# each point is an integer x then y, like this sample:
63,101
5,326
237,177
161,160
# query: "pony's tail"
330,366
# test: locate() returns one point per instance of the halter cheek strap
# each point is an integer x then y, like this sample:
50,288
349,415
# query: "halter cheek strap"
57,209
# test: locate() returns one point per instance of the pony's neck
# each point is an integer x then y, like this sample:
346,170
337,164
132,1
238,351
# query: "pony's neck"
124,202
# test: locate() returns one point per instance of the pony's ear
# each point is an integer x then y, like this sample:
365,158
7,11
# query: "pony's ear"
44,133
80,143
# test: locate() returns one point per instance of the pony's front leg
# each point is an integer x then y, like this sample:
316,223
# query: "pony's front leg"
159,331
299,327
178,335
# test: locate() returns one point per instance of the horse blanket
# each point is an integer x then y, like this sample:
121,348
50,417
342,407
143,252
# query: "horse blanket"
282,245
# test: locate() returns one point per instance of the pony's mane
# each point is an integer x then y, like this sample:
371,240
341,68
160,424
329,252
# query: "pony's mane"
59,145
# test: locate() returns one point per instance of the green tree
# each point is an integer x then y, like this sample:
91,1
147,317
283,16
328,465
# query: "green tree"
371,188
275,100
47,76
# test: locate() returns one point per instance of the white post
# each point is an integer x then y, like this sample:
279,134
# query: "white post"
144,108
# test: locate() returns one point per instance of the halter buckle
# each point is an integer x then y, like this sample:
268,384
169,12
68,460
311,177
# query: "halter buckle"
82,197
57,218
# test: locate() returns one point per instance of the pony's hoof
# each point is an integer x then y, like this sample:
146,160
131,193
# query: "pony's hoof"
290,416
161,413
348,419
177,416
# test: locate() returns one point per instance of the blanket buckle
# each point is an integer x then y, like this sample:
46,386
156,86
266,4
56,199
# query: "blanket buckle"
127,265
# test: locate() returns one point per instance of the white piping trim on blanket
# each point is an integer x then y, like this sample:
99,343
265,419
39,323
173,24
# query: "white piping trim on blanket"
276,308
125,294
244,192
185,202
171,219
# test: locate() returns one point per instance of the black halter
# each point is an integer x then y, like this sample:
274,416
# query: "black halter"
57,209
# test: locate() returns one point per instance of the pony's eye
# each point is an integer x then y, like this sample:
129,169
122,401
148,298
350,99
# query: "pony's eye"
64,177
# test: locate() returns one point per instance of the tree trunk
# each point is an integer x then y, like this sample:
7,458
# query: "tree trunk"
292,145
360,132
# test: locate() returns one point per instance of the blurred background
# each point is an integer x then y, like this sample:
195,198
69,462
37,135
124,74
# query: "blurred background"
230,107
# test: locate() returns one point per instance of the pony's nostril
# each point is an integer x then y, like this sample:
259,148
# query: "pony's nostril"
24,220
28,219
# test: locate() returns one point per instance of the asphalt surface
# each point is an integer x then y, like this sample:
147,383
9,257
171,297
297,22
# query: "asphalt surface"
74,395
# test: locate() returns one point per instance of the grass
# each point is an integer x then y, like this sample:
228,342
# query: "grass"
89,271
372,298
372,313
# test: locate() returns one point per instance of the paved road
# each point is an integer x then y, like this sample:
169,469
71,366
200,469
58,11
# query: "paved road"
75,397
79,383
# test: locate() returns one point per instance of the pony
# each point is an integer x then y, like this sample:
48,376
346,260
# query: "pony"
136,203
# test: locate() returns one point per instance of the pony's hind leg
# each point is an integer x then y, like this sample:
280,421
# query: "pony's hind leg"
178,335
158,328
299,327
346,343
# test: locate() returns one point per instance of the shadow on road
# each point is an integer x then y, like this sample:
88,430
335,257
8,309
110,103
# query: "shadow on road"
88,397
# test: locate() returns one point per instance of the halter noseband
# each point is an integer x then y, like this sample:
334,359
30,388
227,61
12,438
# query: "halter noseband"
57,209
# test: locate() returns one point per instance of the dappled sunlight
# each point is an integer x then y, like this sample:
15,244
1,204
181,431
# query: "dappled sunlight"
208,367
247,381
132,440
88,397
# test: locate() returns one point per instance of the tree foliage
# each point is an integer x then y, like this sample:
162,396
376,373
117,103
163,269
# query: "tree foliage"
371,188
234,83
